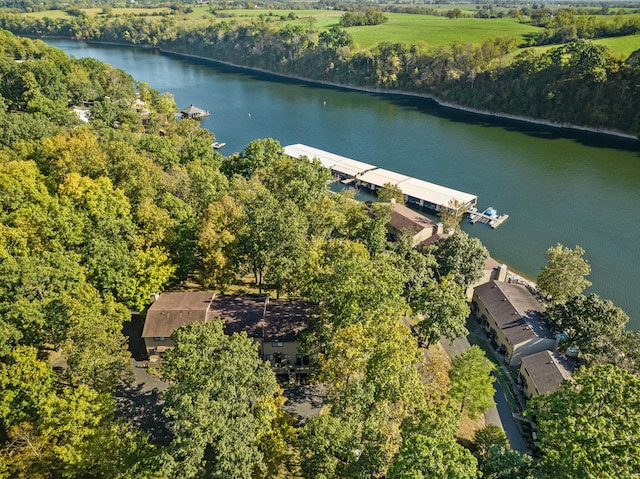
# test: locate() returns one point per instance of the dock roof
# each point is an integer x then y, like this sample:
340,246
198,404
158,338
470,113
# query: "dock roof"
419,190
380,177
435,194
327,159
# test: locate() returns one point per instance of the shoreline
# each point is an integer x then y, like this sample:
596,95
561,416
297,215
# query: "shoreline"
442,104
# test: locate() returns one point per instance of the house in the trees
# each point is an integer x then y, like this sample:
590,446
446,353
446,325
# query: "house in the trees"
274,323
404,220
543,372
513,319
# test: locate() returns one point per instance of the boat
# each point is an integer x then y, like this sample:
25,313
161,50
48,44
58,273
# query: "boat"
216,145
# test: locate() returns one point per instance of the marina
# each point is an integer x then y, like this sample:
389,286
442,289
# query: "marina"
435,198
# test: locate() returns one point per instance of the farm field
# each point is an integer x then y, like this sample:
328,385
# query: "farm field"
425,31
435,31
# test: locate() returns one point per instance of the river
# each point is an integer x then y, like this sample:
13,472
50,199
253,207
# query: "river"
557,186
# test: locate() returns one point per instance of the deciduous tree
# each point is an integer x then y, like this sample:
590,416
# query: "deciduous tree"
471,382
442,309
218,383
563,277
590,426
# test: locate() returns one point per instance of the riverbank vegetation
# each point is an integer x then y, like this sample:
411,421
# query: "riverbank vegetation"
560,65
97,215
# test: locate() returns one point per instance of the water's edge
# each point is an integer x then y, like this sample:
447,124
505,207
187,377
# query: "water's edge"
440,103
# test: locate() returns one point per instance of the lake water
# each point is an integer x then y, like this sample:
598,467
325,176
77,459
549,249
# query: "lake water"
557,186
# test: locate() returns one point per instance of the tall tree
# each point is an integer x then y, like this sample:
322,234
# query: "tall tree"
564,274
388,192
593,325
442,309
218,386
590,426
437,457
471,382
461,256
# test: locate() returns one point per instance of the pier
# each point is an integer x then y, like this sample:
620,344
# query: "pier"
489,216
364,175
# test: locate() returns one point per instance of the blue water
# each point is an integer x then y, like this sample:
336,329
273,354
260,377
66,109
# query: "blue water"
557,186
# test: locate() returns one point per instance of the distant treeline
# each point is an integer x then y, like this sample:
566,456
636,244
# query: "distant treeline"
578,83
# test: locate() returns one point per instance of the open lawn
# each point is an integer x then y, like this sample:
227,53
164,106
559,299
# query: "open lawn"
434,31
624,46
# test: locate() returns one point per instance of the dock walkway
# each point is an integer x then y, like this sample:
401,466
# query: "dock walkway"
488,216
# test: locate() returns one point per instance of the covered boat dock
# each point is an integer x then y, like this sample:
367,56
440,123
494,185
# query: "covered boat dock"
419,192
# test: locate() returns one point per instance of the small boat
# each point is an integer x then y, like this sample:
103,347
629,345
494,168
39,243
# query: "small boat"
216,145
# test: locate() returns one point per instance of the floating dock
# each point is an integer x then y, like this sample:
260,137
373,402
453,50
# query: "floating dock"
489,217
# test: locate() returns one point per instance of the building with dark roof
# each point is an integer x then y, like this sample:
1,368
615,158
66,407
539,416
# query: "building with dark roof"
543,372
513,319
274,323
404,220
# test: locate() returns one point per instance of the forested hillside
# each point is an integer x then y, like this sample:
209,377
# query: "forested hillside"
96,216
577,83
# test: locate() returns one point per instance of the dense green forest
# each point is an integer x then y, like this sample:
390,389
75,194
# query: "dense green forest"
575,83
94,217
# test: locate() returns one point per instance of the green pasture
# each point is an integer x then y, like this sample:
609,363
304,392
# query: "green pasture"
434,31
425,31
624,46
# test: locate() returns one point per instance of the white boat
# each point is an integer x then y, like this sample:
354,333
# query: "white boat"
216,144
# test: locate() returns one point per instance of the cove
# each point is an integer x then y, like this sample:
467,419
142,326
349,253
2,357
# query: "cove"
558,186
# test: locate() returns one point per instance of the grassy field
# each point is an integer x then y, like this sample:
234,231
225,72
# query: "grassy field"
624,46
435,31
423,30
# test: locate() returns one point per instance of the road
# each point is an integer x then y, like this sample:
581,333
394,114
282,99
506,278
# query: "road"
501,414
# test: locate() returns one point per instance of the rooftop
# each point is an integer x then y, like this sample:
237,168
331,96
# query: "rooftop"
283,320
547,370
516,311
404,218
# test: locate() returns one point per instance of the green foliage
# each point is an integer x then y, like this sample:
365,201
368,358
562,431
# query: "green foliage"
433,457
563,277
589,428
593,325
387,192
442,309
487,437
501,462
461,256
472,382
218,384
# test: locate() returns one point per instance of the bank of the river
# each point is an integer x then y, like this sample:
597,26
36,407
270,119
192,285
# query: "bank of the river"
380,91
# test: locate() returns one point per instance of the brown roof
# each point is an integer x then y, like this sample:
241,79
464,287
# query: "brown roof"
404,218
516,311
174,309
547,370
284,320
